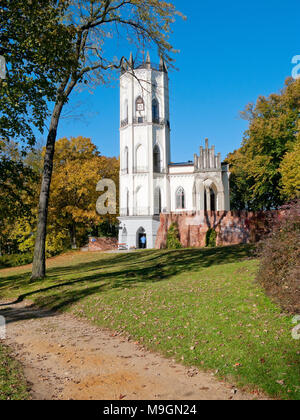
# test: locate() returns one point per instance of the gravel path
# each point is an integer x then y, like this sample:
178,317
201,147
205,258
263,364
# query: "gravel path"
67,358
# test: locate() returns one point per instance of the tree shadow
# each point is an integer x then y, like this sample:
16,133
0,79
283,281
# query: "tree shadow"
15,313
119,272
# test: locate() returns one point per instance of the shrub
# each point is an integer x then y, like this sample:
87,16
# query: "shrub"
211,238
173,241
57,242
14,260
279,271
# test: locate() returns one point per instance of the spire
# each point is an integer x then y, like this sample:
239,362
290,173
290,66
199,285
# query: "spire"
206,143
148,61
131,61
162,65
124,66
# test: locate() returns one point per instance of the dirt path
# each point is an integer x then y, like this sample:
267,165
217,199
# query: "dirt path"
66,358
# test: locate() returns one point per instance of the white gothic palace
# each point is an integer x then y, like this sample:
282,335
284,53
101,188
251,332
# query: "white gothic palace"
150,184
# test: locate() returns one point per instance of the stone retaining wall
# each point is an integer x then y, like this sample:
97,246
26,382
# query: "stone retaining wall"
232,228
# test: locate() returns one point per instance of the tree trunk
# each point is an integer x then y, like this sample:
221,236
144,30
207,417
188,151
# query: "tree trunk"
73,236
39,264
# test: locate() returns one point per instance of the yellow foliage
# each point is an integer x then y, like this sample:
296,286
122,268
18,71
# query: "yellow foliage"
78,167
290,172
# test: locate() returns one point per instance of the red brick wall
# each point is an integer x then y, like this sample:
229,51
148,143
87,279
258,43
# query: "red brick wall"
103,244
232,227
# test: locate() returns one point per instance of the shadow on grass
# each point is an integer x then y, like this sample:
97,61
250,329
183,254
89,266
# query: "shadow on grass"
15,313
119,271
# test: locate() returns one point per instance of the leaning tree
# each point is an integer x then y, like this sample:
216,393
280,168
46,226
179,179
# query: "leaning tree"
98,27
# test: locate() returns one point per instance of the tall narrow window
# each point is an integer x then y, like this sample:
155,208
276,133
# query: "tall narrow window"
157,201
127,203
212,200
126,166
156,159
180,199
194,197
155,111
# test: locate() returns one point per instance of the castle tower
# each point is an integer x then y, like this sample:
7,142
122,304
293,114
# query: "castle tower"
144,151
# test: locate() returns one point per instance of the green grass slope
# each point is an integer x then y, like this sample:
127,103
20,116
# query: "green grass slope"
12,382
200,307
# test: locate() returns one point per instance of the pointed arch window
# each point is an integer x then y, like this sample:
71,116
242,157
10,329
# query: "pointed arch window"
156,159
180,199
155,111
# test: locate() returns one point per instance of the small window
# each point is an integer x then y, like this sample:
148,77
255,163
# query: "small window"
139,104
180,199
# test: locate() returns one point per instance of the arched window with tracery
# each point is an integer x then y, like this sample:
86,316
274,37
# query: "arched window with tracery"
180,199
156,159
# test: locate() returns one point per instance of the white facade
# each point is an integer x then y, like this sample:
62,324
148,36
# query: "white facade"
149,183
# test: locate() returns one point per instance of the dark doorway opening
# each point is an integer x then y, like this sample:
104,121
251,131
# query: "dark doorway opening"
141,239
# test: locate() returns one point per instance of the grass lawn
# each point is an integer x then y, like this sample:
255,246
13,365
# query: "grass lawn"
200,307
12,382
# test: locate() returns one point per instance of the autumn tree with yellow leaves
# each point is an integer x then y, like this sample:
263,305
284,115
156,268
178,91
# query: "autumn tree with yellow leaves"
290,172
78,167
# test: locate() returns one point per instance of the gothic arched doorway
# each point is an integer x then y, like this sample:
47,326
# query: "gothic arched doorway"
141,239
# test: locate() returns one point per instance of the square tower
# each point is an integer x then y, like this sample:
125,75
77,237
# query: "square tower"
144,151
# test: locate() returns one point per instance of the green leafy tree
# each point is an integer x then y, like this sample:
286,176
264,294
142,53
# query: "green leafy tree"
173,239
273,129
290,172
19,183
34,43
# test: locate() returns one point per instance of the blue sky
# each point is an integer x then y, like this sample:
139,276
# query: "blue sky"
230,53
